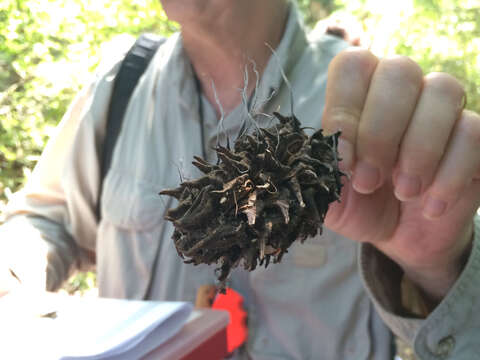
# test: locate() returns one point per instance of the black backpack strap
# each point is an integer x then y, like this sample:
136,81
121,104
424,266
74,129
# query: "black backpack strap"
131,69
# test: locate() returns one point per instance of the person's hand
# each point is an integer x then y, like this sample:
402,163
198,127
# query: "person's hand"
413,152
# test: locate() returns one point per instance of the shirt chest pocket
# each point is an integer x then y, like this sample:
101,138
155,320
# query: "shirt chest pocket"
131,204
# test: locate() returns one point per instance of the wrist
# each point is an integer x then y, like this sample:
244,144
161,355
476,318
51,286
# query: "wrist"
435,279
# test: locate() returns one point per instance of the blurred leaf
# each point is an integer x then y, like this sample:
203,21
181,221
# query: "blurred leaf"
48,48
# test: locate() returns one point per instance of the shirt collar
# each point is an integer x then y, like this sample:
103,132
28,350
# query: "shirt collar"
286,55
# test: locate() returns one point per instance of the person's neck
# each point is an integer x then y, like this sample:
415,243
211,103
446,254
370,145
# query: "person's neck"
220,48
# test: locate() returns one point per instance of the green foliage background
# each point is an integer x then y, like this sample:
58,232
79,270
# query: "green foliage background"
49,47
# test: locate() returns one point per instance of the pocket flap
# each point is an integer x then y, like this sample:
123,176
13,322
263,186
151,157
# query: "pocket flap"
131,203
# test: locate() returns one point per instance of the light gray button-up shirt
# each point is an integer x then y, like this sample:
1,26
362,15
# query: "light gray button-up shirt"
315,304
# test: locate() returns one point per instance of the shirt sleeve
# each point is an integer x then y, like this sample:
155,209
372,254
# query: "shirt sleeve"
451,330
50,226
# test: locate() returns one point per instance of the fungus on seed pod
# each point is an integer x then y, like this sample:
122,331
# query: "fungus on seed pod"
273,188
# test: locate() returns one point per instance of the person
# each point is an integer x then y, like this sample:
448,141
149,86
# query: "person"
408,209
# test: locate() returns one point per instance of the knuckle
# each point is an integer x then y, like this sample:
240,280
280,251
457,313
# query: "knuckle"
403,68
375,146
469,126
344,119
355,60
377,137
446,84
447,190
419,159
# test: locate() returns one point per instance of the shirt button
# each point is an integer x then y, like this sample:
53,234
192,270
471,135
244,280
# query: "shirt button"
444,347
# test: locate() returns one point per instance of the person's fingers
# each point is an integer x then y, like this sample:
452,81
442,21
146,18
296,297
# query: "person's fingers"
458,167
426,138
349,76
390,104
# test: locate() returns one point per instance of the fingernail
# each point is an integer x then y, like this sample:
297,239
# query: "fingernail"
366,178
345,152
434,208
407,186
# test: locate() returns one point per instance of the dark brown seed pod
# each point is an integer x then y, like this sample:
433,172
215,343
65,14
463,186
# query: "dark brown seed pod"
273,188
